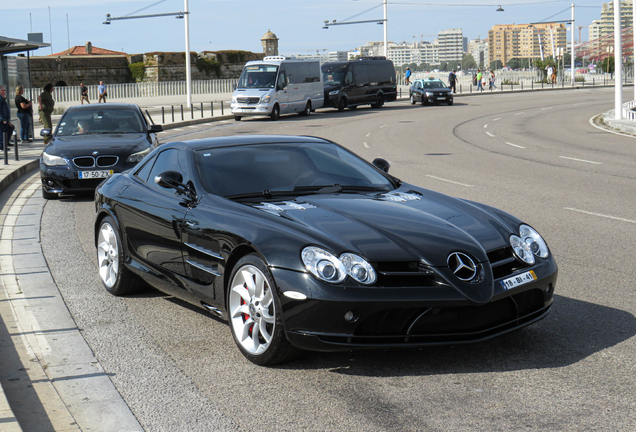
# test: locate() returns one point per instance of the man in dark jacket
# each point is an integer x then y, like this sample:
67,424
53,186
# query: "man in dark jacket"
5,116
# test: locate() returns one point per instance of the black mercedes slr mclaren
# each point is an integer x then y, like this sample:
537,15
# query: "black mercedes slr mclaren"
92,142
302,245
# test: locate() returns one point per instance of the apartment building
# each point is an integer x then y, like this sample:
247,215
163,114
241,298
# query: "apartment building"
507,41
450,45
607,17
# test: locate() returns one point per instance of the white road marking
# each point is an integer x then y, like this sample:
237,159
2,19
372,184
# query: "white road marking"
383,126
543,109
520,113
485,126
581,160
488,133
514,145
601,215
449,181
608,130
498,118
368,135
366,145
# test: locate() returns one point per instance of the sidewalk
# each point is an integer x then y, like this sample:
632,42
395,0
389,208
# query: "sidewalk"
45,365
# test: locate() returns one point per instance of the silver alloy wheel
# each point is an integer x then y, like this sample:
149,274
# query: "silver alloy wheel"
108,255
252,310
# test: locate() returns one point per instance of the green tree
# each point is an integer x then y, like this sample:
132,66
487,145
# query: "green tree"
468,62
496,64
606,65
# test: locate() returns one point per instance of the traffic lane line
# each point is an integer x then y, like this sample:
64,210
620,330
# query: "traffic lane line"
450,181
514,145
600,215
581,160
489,134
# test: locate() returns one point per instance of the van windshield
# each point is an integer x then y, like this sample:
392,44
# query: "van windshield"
258,76
333,74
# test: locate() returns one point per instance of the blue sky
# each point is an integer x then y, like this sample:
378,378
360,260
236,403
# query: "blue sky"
240,24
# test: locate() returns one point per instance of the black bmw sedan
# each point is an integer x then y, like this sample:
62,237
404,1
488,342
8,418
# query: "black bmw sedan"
90,143
302,245
430,91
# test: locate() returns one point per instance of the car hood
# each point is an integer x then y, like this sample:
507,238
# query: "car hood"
411,224
330,87
112,144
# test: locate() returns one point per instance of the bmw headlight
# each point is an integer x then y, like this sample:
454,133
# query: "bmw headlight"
327,267
136,157
528,244
265,99
334,92
50,160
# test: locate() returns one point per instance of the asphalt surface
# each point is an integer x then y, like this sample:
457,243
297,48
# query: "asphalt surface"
532,154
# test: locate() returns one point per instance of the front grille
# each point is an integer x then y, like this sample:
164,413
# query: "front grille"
504,263
447,324
84,162
106,161
404,274
247,100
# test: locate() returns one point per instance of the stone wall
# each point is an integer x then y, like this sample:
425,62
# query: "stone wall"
158,67
73,70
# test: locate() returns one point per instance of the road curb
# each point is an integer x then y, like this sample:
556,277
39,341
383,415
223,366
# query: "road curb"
17,173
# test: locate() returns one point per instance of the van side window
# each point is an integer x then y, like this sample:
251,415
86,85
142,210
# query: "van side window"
282,79
349,78
360,73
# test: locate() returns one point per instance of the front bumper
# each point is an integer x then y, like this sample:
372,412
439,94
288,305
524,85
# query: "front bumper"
245,110
439,99
406,316
62,179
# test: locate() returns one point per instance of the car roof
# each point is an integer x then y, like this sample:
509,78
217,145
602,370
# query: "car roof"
231,141
106,106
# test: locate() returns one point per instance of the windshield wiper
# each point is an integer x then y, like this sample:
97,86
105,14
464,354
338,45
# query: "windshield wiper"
308,190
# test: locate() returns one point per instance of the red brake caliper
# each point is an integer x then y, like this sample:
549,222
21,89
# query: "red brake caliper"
246,316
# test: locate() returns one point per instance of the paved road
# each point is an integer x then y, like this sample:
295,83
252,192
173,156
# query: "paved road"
535,155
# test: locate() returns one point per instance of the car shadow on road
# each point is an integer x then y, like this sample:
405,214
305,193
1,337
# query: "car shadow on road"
573,331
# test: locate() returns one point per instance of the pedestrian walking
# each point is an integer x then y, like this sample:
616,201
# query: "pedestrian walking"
84,94
5,117
492,79
25,110
408,76
549,72
480,85
102,92
45,109
452,80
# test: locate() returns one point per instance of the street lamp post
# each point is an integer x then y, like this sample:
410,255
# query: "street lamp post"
618,62
186,15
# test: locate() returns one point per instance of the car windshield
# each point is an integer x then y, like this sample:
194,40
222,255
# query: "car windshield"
258,76
333,74
100,121
431,84
286,167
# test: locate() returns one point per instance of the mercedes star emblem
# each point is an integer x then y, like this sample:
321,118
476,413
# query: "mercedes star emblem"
462,266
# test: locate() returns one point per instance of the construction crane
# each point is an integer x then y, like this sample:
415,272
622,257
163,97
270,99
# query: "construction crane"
318,51
422,37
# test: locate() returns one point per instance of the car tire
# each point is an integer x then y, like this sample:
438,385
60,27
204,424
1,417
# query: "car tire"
412,99
275,113
449,102
342,104
255,314
237,118
117,279
306,111
379,102
48,195
424,100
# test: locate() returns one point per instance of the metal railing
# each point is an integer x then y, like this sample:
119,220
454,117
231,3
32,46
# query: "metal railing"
139,90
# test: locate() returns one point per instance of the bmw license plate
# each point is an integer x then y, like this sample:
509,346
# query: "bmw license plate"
521,279
95,174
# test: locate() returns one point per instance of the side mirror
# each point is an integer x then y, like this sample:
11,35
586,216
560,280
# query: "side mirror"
382,164
170,180
45,132
155,128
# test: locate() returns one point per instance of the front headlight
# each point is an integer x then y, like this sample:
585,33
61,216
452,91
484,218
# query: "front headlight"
429,94
233,100
528,244
136,157
50,160
534,240
327,267
265,99
334,92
